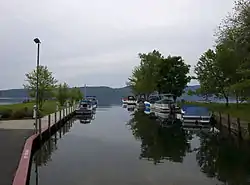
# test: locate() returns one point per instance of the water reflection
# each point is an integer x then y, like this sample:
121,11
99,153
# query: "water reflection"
43,156
157,142
222,159
86,119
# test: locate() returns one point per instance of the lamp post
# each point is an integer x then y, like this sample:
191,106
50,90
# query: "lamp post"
38,42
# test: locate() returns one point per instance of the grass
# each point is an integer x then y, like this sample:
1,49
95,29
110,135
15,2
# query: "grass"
242,111
25,110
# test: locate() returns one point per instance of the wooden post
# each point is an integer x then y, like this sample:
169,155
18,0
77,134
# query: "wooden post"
40,128
60,115
220,120
228,123
248,126
55,117
239,127
49,122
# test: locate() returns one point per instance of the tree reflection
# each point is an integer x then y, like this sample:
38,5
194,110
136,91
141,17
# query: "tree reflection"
157,142
223,160
43,155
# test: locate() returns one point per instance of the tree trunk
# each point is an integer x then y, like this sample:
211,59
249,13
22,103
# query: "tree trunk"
226,101
237,101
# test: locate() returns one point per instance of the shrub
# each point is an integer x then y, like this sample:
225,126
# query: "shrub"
22,113
6,113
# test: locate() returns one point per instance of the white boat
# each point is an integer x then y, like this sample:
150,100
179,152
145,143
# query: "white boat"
166,104
151,101
131,100
85,107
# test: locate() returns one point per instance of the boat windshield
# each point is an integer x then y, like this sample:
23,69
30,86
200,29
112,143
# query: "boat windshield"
153,99
131,98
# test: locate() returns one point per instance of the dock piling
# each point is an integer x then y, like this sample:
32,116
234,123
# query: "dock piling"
49,122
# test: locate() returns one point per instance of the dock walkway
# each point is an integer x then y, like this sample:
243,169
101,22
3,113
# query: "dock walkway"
13,134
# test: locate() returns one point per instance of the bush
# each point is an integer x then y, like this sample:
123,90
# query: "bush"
22,113
7,113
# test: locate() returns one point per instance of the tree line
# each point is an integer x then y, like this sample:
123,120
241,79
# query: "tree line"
49,88
158,73
224,71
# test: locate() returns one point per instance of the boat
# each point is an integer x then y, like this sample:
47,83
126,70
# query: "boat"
85,107
131,100
149,103
124,100
93,100
166,104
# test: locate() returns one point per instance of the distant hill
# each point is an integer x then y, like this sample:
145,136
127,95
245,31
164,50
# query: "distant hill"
105,95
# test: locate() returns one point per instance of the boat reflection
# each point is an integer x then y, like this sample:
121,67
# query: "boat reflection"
131,108
86,119
159,143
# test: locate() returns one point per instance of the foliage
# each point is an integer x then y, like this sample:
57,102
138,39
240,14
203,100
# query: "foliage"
75,95
172,76
62,94
46,84
157,73
226,70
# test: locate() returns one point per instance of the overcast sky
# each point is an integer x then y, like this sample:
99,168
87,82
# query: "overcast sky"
97,42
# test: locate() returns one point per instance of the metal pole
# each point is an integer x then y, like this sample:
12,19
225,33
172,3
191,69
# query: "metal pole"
37,85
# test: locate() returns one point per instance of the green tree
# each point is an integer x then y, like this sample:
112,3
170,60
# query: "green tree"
233,45
79,94
63,94
172,76
156,73
46,84
211,76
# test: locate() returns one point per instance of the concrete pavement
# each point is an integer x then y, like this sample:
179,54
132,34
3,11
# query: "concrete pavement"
13,135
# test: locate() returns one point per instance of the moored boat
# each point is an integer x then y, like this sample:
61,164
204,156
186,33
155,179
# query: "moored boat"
85,107
93,100
131,100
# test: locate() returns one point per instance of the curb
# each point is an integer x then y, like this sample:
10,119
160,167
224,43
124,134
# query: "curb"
23,170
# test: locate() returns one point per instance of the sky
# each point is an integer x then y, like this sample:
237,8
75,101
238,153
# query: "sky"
97,42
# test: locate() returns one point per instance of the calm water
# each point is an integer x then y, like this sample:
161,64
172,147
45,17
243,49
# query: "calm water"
128,148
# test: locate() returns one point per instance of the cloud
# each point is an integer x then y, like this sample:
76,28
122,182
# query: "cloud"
97,42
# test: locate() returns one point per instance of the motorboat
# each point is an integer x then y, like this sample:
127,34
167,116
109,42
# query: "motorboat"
124,100
131,100
85,107
166,104
93,100
149,103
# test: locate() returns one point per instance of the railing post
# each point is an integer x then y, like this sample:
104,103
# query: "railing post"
49,122
55,117
228,123
60,115
239,127
40,128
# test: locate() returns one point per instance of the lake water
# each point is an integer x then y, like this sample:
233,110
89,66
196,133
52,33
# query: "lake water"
6,101
121,147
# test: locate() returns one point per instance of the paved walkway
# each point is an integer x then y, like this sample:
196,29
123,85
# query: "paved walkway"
13,134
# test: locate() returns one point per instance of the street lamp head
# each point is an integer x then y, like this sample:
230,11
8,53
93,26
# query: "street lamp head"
37,41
